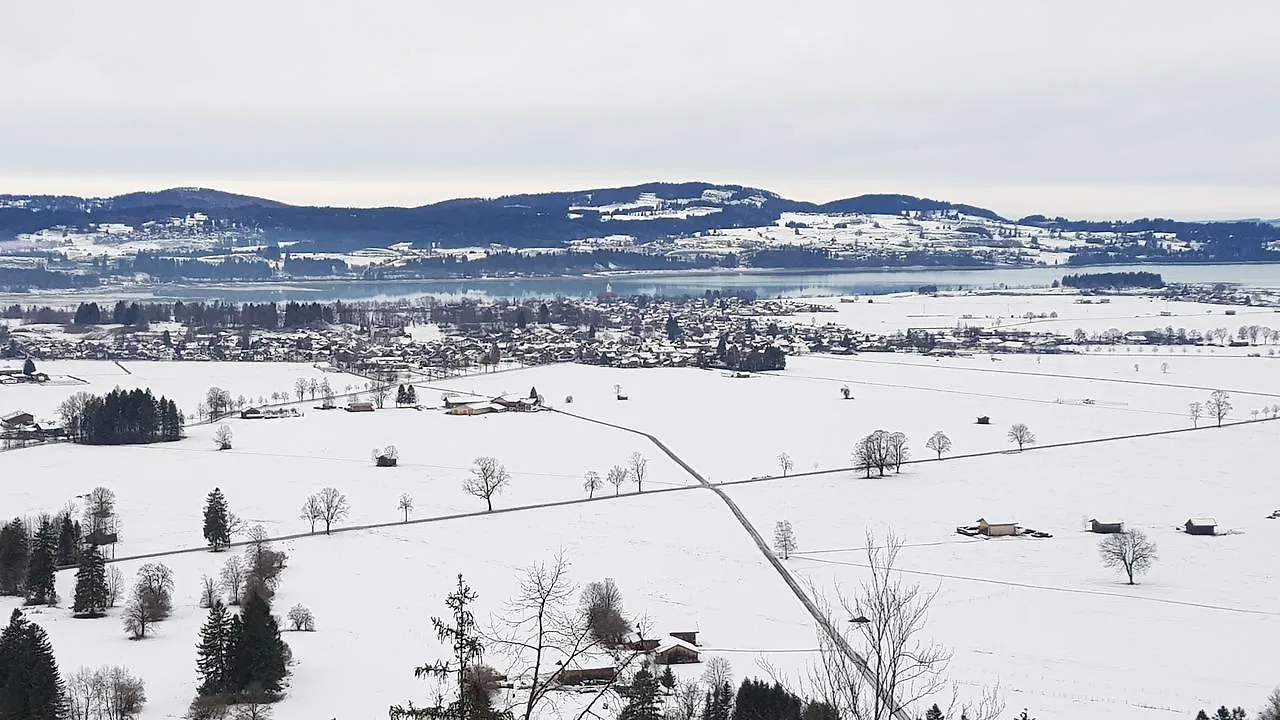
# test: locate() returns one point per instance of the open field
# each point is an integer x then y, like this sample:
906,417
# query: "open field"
1061,635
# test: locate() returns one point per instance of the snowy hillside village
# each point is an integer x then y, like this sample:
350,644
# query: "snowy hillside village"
1034,504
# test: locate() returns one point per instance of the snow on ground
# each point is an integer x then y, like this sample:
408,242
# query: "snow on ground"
184,382
1063,635
902,311
733,428
275,464
686,565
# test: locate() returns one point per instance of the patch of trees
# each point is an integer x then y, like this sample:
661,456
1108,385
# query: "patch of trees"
108,693
170,268
1113,280
544,263
880,451
749,357
121,418
13,279
240,657
315,267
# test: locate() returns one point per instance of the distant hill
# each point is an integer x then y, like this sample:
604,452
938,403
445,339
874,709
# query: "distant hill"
646,212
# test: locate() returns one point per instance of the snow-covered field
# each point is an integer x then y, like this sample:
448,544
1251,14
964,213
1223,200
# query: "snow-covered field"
1061,635
1063,314
184,382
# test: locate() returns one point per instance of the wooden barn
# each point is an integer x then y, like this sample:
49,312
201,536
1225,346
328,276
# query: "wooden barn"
675,652
359,406
1105,527
587,676
997,529
1201,526
984,420
689,637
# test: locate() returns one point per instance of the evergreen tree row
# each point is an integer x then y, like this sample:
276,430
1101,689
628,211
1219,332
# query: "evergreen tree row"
125,417
30,552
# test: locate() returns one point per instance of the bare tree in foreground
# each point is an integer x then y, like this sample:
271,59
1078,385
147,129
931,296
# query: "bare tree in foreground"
233,579
1196,410
1130,551
543,632
639,467
108,693
784,463
1022,435
1219,405
939,443
895,669
488,478
784,539
405,505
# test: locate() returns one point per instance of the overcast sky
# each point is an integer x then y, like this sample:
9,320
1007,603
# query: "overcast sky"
1080,107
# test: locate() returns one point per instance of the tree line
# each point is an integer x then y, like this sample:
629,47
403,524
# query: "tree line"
121,418
1113,280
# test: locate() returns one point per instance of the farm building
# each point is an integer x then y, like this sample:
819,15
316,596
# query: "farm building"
997,529
476,408
17,419
984,420
648,645
251,413
360,406
689,637
675,651
1201,526
587,676
1106,527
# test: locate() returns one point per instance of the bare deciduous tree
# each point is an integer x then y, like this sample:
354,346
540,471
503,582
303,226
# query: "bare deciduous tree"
898,450
100,511
1196,410
488,478
311,511
616,477
300,388
233,579
1130,551
379,392
209,591
150,601
591,483
108,693
1271,711
882,666
873,452
688,700
333,507
939,443
784,539
222,438
217,402
784,463
717,672
601,604
1219,405
115,586
405,505
1021,435
639,467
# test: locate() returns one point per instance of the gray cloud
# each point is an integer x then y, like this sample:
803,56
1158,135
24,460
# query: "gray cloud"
1097,105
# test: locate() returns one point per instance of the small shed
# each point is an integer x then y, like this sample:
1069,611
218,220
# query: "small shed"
984,420
1105,527
102,537
360,406
1201,526
645,645
675,652
997,529
251,413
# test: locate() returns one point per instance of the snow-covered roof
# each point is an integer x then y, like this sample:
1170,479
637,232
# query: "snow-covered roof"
1202,521
669,643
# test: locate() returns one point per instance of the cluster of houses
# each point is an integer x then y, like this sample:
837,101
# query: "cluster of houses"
677,648
480,405
19,427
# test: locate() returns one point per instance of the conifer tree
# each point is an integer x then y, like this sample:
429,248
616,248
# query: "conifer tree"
667,679
212,652
68,541
401,397
43,563
30,686
642,698
934,713
217,531
91,585
410,395
15,550
258,658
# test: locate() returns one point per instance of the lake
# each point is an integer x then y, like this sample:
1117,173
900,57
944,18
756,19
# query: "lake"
764,283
